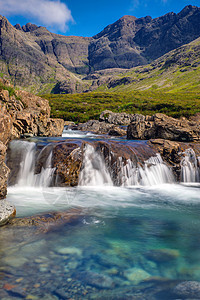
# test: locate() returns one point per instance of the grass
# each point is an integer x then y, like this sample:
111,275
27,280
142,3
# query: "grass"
85,106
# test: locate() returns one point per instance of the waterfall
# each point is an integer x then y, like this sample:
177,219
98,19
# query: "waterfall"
190,167
26,175
96,173
153,172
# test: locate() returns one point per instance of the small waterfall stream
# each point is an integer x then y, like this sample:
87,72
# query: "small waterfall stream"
190,167
98,170
26,175
95,172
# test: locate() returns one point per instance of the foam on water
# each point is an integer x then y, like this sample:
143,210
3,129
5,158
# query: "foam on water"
69,133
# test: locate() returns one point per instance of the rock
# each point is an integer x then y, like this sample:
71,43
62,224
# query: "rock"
162,255
26,114
116,131
97,280
136,275
4,171
115,118
56,127
22,114
101,128
17,292
6,124
160,126
69,251
188,289
68,162
7,212
49,221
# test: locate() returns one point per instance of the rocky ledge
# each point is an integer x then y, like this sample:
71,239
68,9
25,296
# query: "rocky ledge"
160,126
21,114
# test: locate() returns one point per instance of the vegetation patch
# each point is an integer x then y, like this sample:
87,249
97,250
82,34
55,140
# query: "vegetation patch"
85,106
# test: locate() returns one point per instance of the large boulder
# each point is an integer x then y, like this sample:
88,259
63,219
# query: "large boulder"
160,126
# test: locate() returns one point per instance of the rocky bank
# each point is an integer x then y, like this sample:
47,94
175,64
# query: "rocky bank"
21,114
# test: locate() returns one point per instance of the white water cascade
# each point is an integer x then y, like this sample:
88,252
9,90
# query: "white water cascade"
153,172
96,173
190,167
26,175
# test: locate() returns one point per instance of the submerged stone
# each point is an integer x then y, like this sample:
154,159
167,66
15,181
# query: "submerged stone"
97,280
162,255
136,275
7,212
187,289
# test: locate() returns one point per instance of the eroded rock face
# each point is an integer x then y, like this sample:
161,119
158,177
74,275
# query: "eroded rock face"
4,172
26,114
7,212
164,127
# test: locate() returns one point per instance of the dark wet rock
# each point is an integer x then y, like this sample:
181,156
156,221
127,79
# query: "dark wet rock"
7,212
67,159
188,290
49,221
95,279
162,255
160,126
17,292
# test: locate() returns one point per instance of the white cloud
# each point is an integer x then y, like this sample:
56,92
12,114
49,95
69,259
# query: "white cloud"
50,13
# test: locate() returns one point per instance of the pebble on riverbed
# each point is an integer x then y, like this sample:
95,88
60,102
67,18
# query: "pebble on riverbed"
136,275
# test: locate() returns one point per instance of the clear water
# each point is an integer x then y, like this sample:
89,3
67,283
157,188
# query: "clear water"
125,242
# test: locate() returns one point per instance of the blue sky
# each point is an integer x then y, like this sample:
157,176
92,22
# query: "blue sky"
84,18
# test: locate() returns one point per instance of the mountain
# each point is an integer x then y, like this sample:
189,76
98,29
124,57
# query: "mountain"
42,61
178,70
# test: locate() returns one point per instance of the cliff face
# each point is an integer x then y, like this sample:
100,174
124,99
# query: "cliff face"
131,42
33,56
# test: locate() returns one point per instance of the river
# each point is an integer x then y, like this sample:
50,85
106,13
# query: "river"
135,240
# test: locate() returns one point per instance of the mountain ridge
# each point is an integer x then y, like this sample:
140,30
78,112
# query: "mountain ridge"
33,57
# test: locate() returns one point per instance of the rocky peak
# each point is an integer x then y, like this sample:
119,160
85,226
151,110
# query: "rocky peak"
29,27
187,10
18,26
